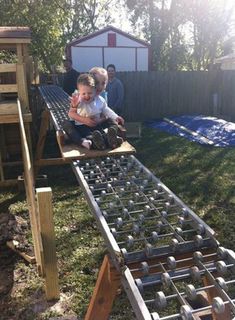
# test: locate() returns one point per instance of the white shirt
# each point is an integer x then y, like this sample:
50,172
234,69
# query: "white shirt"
95,109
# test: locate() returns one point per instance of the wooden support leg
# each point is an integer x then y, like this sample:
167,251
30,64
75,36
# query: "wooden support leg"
1,168
46,225
104,293
42,138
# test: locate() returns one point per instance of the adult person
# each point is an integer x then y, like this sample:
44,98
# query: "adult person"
115,90
70,77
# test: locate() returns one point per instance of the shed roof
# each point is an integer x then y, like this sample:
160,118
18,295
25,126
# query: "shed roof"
106,29
15,32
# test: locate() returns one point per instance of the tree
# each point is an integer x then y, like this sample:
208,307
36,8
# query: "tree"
54,22
161,21
210,23
184,34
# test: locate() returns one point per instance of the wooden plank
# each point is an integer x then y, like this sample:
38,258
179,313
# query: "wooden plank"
8,67
6,88
22,86
41,139
19,51
3,143
104,293
14,118
13,246
30,193
15,32
193,133
72,151
2,178
12,163
8,107
8,183
14,40
51,162
44,203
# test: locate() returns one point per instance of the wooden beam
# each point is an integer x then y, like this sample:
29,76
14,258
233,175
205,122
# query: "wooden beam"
22,86
8,67
14,118
12,163
6,88
8,183
44,203
41,139
2,178
30,193
105,291
13,246
51,162
19,51
14,40
3,143
8,107
72,151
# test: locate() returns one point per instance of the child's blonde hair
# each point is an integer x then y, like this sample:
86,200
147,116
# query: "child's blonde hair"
98,70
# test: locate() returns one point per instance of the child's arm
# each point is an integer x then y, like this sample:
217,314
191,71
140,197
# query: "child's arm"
84,120
109,113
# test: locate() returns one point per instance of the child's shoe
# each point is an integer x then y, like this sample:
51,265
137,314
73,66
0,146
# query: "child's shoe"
98,140
119,141
86,143
113,140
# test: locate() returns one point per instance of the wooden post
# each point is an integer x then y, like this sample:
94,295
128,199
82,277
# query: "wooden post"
107,284
1,168
42,138
30,192
22,86
46,225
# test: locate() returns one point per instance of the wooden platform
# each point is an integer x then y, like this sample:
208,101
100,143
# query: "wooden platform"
72,151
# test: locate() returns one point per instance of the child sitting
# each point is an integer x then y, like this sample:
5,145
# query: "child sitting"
92,115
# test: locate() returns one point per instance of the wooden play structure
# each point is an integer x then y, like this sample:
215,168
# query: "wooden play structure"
15,119
15,79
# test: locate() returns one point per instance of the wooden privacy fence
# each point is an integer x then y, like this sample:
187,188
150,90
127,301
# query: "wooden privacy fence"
151,95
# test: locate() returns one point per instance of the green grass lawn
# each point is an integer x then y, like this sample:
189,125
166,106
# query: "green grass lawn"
203,177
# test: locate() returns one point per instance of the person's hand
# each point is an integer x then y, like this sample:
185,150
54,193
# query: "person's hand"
89,122
101,119
75,99
120,120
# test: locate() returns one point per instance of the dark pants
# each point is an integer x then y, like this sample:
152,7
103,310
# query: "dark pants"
77,133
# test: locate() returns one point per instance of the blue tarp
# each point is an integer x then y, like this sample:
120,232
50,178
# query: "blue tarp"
220,132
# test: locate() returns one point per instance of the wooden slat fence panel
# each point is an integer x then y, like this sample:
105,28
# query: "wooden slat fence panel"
151,95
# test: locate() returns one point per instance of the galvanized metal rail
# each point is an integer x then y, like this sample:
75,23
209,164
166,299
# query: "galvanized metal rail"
57,102
157,243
